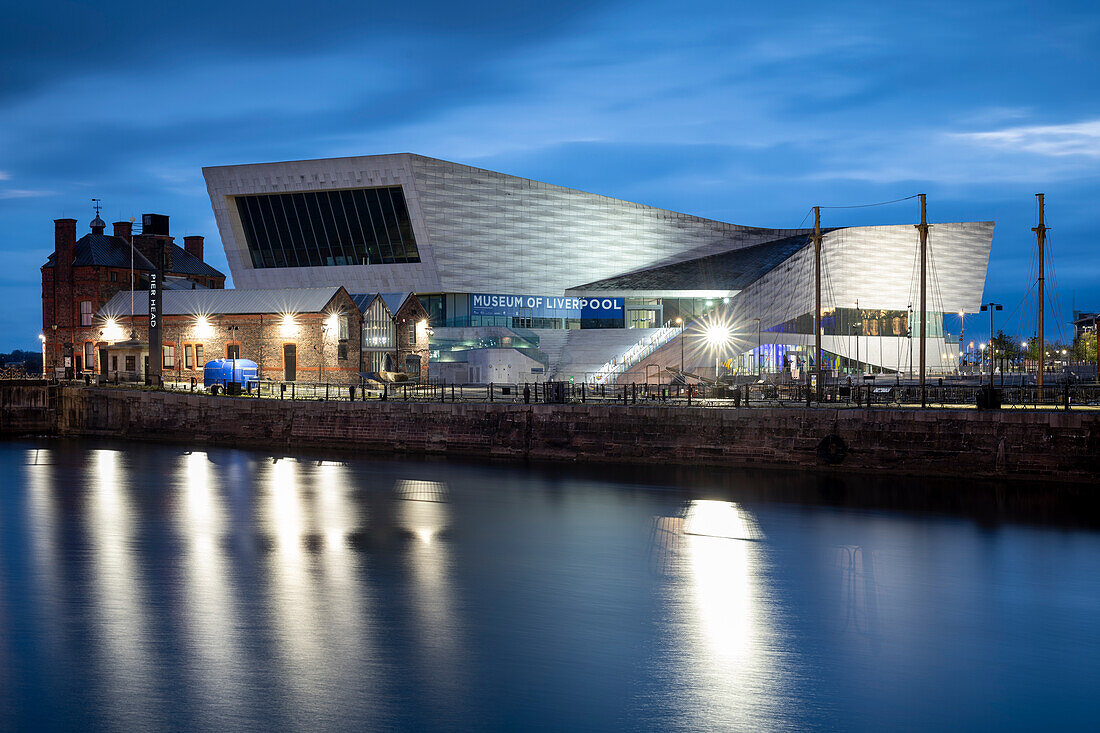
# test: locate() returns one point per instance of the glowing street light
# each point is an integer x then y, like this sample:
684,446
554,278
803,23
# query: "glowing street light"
680,323
717,336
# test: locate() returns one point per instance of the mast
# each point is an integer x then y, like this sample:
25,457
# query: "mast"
817,300
1041,236
923,229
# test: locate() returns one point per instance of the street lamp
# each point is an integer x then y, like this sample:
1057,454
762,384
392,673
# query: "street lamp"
852,327
991,307
759,349
717,336
42,338
680,322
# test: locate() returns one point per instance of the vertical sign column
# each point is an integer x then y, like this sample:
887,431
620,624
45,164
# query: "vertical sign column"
152,376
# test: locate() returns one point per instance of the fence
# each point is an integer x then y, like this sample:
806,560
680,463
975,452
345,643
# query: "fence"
833,395
1056,396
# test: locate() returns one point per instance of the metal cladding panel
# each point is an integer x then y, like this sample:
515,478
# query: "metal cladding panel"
225,182
879,267
213,302
495,232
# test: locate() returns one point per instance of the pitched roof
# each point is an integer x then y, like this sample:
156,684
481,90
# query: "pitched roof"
394,301
733,270
215,302
104,250
364,300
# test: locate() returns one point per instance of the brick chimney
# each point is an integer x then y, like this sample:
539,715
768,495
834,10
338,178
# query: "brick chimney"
124,229
64,242
193,245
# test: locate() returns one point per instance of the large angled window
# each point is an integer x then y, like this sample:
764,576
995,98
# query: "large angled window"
363,226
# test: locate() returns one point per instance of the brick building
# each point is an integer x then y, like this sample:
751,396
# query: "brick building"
81,276
313,335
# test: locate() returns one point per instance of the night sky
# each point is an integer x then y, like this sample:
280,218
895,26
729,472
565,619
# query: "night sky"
744,112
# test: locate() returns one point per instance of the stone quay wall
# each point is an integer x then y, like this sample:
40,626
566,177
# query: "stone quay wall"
28,407
965,443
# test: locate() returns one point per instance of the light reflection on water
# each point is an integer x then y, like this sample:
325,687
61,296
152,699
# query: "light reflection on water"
143,587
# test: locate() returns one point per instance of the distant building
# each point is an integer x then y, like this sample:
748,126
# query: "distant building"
1083,323
81,276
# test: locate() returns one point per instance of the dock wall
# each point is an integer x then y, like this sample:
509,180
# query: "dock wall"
1012,443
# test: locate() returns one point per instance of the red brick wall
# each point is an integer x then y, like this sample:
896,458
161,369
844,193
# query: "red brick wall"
261,338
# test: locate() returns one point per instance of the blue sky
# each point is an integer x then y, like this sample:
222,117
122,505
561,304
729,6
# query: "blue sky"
749,113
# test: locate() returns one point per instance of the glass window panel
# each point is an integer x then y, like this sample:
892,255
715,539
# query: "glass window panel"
315,228
379,222
345,254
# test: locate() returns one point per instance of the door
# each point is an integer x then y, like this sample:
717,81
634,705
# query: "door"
290,362
412,364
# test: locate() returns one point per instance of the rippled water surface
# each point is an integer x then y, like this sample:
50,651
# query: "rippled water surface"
145,587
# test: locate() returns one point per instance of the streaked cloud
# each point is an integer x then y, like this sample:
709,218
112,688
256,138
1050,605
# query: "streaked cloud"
1076,139
22,193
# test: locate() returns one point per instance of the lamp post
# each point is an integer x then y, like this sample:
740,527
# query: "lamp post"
991,307
962,330
42,338
680,321
852,327
759,349
231,331
717,336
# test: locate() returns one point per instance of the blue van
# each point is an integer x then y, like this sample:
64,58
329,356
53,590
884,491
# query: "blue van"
218,374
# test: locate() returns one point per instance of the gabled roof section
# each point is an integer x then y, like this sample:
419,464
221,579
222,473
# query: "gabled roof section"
733,270
185,263
104,250
218,301
395,301
363,301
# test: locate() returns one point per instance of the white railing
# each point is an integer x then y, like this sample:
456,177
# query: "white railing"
637,352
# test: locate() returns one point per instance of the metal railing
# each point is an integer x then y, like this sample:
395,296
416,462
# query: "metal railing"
883,396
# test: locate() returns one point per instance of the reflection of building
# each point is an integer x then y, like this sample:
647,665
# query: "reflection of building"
82,275
579,277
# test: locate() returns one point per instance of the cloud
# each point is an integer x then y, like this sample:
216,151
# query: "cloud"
4,175
1078,138
20,193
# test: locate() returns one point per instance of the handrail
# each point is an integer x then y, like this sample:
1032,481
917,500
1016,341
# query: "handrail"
637,352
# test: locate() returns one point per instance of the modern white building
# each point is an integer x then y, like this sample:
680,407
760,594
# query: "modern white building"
590,279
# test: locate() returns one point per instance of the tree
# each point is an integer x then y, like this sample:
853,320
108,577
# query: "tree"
1084,349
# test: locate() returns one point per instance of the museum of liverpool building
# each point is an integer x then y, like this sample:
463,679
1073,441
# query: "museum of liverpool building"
526,281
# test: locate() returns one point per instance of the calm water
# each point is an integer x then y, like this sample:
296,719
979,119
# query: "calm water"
143,587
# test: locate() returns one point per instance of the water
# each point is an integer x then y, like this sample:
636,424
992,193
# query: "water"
143,587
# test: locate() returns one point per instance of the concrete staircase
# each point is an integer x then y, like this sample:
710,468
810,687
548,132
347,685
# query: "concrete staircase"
581,353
